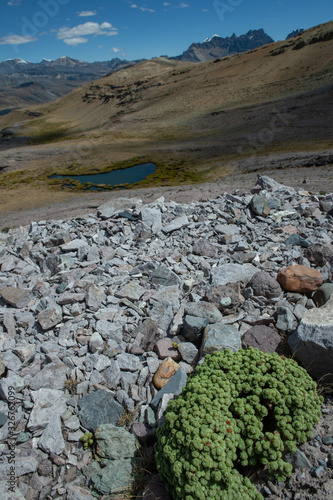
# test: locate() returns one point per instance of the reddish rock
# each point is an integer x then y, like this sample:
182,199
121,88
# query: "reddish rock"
165,349
300,279
144,433
165,371
262,337
290,230
155,490
204,248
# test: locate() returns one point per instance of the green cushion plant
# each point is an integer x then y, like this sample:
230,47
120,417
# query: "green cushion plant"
239,409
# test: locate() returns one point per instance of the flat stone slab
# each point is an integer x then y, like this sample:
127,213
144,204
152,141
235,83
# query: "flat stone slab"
99,408
15,297
232,273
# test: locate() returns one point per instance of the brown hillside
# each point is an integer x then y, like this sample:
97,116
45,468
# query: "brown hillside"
207,116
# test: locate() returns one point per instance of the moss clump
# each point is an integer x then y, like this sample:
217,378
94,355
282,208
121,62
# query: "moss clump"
240,409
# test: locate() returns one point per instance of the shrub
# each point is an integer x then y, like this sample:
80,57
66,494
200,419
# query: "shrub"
239,409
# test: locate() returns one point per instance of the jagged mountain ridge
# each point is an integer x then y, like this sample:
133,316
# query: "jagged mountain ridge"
217,46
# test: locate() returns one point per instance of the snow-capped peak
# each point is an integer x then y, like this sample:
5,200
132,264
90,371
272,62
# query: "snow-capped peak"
210,39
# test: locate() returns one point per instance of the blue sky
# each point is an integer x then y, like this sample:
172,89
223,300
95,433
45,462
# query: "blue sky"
99,30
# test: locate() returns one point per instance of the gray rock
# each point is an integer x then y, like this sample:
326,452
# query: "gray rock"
98,408
312,342
117,205
3,419
176,224
164,276
203,310
218,337
232,273
74,245
112,374
6,494
204,248
51,316
188,352
23,466
48,403
194,327
323,294
298,460
319,254
96,343
259,206
128,362
15,297
52,440
52,376
131,291
285,320
115,477
269,184
76,492
114,442
95,297
174,386
297,240
151,218
264,285
7,384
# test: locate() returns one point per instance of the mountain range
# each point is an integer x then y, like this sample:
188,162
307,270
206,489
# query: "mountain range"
23,83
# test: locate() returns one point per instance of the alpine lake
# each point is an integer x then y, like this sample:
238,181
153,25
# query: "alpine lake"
119,178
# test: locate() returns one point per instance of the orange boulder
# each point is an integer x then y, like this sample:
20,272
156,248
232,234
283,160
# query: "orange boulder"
300,279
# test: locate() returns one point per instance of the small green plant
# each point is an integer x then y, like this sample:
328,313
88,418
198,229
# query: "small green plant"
239,410
175,345
322,193
87,440
5,229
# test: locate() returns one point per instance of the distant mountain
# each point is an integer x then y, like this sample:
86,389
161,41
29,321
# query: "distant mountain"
26,83
295,33
216,46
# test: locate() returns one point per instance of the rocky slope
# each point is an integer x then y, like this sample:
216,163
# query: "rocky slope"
90,308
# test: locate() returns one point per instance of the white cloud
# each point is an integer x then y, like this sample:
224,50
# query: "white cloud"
87,13
166,4
75,41
16,40
143,9
205,10
14,2
77,32
184,5
116,49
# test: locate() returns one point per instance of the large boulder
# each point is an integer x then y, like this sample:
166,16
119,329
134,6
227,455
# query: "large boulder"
312,342
300,279
263,284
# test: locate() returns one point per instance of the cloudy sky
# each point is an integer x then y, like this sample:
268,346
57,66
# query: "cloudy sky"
99,30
